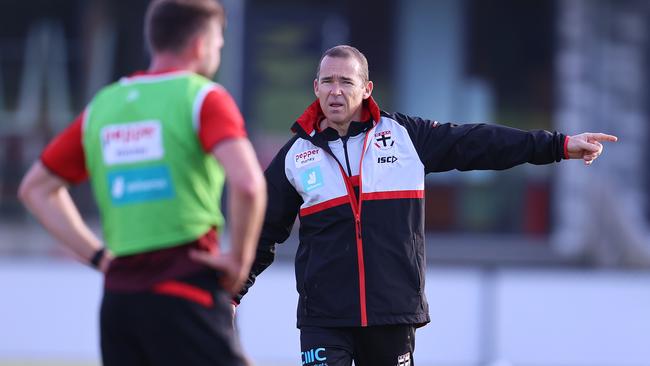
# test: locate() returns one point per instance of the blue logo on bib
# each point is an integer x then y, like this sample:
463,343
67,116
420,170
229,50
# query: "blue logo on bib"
140,185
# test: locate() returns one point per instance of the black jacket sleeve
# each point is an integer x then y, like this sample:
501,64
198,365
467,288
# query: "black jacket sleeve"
448,146
281,211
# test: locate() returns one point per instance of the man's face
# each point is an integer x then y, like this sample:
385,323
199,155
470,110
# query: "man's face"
213,42
340,89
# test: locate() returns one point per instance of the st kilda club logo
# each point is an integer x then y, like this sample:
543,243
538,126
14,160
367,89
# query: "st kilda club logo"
384,140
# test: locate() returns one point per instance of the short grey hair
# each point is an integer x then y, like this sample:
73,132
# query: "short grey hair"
345,51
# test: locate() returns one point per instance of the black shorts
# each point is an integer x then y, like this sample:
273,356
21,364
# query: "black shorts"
389,345
184,322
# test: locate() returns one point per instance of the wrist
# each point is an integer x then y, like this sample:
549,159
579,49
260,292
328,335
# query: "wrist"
566,145
242,259
97,258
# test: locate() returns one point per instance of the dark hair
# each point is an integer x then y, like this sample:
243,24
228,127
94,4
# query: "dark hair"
170,24
345,51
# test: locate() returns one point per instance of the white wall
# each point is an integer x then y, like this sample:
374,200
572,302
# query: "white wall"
574,318
48,311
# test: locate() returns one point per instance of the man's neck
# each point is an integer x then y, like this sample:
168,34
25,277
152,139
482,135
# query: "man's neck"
341,128
165,61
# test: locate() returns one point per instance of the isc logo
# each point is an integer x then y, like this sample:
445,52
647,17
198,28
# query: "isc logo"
386,159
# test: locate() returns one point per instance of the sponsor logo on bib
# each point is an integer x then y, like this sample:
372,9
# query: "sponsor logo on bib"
140,185
132,142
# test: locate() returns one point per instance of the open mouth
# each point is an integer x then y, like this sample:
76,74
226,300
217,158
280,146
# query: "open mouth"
336,105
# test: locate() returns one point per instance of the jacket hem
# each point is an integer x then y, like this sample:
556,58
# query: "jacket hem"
419,320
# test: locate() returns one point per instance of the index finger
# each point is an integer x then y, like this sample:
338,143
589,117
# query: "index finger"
602,137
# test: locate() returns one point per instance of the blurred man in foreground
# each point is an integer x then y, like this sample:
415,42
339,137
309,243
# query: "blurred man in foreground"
157,147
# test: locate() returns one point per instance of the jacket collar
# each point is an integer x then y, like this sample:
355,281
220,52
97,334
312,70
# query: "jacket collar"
355,128
307,123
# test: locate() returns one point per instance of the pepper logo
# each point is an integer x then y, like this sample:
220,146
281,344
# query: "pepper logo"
308,157
133,142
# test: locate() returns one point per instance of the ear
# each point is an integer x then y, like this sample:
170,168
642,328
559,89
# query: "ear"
367,90
316,87
196,47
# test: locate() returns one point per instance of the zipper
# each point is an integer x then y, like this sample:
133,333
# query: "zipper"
362,274
356,205
358,222
345,151
419,269
417,264
362,268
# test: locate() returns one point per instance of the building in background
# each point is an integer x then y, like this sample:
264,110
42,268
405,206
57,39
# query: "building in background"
567,65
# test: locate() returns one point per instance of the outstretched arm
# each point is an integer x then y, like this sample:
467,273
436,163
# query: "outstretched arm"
587,146
46,196
448,146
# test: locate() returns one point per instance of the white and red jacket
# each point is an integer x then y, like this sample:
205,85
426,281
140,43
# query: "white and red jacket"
360,199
